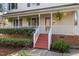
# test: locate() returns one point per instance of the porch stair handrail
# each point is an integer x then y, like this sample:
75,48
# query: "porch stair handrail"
50,37
35,36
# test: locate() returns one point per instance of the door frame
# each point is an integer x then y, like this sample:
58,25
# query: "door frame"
47,19
36,19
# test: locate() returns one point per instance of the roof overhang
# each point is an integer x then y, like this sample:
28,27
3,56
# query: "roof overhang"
42,10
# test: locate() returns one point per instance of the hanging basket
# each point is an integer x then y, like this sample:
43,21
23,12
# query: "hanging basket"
58,16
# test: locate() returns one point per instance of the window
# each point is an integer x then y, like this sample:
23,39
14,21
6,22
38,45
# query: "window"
17,22
12,6
20,22
32,4
38,4
1,7
35,4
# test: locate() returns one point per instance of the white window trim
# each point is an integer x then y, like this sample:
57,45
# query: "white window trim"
18,22
11,7
33,4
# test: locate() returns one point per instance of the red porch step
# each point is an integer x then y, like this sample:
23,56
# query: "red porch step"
42,41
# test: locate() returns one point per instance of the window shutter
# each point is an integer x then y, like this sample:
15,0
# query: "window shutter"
8,6
28,4
16,5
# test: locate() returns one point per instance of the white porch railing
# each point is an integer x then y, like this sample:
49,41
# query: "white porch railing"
38,31
64,29
50,37
17,27
36,35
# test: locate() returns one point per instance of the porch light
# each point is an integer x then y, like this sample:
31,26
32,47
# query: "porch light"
65,13
6,20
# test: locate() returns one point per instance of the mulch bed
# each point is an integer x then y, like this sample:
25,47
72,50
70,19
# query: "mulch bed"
4,51
18,36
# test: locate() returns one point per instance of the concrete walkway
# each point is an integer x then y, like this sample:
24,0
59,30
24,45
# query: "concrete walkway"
73,52
42,52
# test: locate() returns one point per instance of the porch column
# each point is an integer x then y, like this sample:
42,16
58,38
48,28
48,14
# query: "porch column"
3,25
51,19
18,21
76,22
77,16
39,19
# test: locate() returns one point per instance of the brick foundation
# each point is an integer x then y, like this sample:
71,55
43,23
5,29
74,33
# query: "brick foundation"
73,41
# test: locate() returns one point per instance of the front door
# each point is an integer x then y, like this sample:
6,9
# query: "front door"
47,24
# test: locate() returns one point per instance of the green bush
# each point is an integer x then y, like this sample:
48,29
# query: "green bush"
26,31
24,54
15,42
60,46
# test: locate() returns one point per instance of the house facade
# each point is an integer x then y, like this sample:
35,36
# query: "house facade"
40,16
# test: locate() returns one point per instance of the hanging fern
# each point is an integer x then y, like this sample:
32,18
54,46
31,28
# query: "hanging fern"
58,16
10,19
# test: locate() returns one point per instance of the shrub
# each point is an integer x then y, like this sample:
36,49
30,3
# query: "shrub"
60,46
24,54
26,31
15,42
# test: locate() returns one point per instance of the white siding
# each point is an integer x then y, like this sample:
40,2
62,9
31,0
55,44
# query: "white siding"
23,6
65,26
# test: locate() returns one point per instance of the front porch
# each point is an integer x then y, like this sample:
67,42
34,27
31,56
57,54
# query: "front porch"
51,27
44,23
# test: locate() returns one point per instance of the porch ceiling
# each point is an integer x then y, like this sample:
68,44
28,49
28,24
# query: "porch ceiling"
68,7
